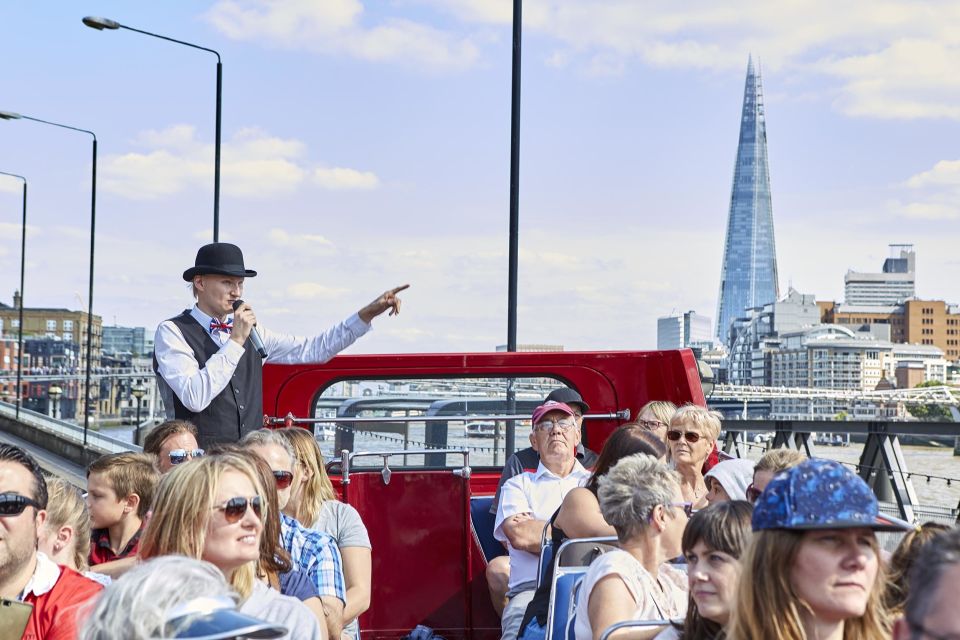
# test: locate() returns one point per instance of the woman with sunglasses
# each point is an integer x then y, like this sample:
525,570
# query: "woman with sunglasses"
813,568
313,501
713,542
173,442
211,510
691,437
640,496
579,516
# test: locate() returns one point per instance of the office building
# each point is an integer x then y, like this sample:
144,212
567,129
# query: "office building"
130,340
749,276
893,285
684,330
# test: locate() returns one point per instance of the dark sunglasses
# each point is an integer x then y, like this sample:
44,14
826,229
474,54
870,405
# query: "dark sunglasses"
753,493
689,436
234,508
13,504
284,478
179,456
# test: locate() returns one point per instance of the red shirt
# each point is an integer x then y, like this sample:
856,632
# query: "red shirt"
55,611
101,552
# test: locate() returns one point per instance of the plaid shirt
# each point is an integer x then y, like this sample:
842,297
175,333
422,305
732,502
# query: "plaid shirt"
317,554
101,552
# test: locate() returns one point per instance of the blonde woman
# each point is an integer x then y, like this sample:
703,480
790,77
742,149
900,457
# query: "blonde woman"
314,503
211,510
691,437
813,569
655,417
65,534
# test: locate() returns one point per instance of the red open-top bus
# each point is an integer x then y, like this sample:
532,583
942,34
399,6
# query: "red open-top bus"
427,511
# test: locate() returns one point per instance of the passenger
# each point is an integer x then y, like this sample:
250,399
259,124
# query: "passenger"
931,610
210,510
529,499
315,553
579,516
898,569
65,535
208,370
120,488
813,569
728,480
641,497
27,575
692,436
713,542
655,417
313,502
173,442
770,464
498,569
172,597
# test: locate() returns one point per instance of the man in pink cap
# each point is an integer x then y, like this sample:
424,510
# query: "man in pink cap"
528,500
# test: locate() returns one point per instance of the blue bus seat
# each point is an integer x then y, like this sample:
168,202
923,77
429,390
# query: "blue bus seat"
483,522
563,601
546,557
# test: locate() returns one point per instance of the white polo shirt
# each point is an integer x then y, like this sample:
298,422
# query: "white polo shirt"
538,493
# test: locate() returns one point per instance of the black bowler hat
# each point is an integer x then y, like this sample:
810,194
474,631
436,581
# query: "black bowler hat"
219,257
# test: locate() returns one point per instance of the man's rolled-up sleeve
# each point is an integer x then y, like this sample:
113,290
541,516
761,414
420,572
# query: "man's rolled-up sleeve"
513,500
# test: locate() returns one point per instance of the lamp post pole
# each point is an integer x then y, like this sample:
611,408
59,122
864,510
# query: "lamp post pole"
9,115
23,264
54,392
138,391
105,23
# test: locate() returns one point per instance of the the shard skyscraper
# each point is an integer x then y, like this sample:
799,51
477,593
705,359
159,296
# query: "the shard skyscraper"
749,277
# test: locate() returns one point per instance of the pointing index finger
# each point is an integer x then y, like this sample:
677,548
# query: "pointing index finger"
400,288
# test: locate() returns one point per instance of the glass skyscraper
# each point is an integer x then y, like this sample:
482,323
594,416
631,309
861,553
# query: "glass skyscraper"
749,277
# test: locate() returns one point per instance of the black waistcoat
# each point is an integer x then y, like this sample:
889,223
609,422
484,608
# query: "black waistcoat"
238,409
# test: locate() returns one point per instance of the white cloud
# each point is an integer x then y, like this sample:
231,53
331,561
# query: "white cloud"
254,164
337,27
944,173
340,178
934,194
284,239
313,291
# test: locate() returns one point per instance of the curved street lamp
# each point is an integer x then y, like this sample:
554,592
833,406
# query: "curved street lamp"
138,391
105,23
10,115
23,264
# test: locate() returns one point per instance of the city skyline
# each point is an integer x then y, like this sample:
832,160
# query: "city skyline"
366,145
748,278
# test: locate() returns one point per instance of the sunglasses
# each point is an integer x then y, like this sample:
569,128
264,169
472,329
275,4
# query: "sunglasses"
284,479
13,504
689,436
753,493
234,508
179,456
687,507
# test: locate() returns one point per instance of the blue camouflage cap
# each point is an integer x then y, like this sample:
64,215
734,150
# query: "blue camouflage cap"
820,494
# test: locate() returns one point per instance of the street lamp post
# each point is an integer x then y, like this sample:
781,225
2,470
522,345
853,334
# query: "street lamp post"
9,115
23,263
138,392
105,23
54,392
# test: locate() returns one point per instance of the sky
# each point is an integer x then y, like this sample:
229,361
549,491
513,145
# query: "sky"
366,145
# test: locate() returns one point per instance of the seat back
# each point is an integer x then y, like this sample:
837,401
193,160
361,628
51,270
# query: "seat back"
546,556
562,601
483,522
580,552
632,624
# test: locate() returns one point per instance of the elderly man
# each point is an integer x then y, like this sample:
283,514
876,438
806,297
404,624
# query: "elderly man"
54,592
932,610
529,499
208,367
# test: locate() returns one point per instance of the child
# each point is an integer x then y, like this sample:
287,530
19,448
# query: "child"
120,490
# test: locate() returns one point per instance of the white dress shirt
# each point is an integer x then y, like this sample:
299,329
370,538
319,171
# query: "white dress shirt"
196,386
538,493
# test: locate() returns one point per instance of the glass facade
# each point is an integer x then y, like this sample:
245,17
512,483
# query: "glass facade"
749,277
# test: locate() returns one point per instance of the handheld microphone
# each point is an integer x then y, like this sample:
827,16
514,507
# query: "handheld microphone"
254,335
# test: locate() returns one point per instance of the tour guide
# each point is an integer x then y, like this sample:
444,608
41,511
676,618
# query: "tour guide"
208,370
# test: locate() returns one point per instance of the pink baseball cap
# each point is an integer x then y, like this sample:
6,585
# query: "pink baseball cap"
547,407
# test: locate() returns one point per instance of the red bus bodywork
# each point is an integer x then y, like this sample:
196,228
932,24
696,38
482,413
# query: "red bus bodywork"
428,567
